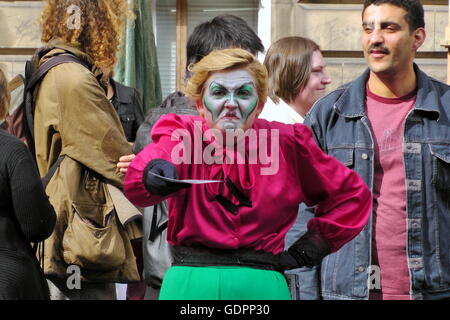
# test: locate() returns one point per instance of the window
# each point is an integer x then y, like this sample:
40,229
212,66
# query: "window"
424,2
198,11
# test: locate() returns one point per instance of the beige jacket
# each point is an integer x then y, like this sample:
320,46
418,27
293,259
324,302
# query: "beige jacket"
73,117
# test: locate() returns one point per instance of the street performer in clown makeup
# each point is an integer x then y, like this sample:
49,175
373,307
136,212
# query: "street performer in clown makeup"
228,235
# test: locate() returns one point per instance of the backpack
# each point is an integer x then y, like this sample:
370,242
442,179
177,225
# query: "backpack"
157,253
20,118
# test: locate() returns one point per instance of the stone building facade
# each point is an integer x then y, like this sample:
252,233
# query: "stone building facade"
335,25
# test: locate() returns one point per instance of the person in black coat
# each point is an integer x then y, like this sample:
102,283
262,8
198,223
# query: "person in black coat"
26,216
128,104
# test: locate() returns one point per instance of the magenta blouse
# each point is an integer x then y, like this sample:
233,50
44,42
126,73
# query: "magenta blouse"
305,174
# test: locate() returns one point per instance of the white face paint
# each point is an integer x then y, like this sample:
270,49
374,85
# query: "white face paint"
230,100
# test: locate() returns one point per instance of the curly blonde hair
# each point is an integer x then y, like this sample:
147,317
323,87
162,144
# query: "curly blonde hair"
99,33
227,59
4,95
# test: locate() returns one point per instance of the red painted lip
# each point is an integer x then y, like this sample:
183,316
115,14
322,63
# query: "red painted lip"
230,115
232,118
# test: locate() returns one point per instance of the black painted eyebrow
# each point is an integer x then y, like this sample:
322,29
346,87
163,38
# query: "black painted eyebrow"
221,86
246,84
218,85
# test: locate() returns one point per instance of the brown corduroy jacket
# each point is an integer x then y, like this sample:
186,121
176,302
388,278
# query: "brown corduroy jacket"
74,118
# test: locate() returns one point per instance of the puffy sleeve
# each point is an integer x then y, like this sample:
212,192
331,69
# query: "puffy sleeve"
165,135
342,200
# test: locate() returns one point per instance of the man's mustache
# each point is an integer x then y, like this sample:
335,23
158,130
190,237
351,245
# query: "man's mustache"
378,48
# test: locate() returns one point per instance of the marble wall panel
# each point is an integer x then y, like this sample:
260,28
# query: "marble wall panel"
13,65
19,24
338,26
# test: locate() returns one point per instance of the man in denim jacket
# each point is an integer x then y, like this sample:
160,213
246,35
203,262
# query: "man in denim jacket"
392,126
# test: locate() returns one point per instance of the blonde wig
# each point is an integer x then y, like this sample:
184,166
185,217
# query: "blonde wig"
225,60
99,31
288,63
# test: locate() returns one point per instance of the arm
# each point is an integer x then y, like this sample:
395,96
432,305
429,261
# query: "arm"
124,162
144,189
342,200
90,129
34,212
143,135
138,112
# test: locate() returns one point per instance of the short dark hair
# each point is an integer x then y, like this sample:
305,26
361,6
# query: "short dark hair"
222,32
414,11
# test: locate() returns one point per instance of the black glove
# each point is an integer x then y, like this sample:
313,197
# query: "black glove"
308,251
156,185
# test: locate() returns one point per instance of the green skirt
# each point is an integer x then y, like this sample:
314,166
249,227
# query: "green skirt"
223,283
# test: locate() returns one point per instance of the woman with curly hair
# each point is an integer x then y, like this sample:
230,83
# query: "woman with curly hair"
95,26
75,119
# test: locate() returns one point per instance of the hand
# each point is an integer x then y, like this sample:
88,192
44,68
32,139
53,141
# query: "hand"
124,162
308,251
156,185
288,262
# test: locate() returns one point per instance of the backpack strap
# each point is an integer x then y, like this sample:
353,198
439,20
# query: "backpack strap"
155,230
46,179
51,63
37,77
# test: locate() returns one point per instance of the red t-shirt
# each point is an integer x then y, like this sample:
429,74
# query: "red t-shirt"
389,238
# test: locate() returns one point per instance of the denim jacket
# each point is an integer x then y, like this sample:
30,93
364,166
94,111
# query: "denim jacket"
342,129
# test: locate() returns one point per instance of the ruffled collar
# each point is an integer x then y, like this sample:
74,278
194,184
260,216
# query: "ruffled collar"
229,165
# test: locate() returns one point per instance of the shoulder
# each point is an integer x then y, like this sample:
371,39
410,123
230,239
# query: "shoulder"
287,133
170,122
123,88
444,97
434,93
73,76
324,108
69,75
126,93
12,142
177,102
174,127
178,119
12,149
326,102
174,103
443,88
